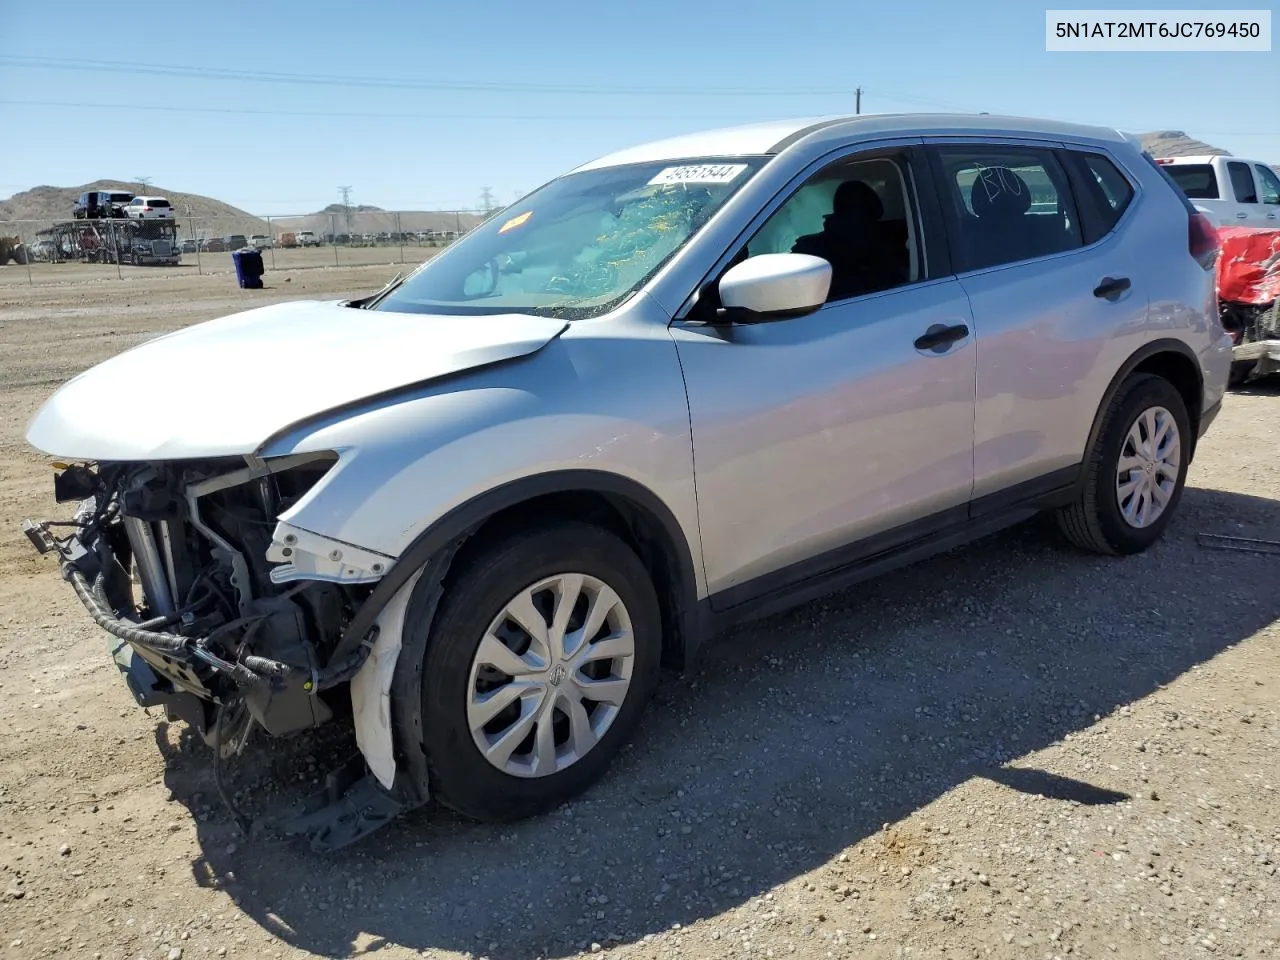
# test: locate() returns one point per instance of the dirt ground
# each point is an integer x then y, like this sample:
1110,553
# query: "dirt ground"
1014,750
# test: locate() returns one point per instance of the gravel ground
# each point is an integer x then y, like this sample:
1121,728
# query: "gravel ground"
1013,750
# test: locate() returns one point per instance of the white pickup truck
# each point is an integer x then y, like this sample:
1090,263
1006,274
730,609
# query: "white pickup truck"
1231,191
308,239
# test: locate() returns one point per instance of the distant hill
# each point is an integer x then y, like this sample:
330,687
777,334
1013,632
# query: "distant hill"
334,219
1175,143
193,210
355,208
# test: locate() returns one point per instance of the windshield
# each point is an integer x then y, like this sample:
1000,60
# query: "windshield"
578,246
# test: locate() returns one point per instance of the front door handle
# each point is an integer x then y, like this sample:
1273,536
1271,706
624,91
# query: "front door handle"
940,335
1271,216
1111,287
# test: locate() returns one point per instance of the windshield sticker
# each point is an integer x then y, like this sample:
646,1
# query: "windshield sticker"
699,173
515,221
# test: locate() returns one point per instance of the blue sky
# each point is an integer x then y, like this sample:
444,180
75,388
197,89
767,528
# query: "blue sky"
506,95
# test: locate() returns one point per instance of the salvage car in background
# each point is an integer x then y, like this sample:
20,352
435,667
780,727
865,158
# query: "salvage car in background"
472,508
1249,299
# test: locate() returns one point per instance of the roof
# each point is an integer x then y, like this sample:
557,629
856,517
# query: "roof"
771,137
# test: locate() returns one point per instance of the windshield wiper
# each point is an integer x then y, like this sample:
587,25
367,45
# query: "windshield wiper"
367,303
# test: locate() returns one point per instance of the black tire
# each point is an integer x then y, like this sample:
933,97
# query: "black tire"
1094,521
477,589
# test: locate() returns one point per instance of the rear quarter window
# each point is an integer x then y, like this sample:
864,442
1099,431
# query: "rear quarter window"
1103,192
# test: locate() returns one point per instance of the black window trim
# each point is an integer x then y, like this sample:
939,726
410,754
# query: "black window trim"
1034,143
933,249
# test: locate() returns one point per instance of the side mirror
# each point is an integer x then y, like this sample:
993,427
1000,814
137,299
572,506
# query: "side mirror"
774,286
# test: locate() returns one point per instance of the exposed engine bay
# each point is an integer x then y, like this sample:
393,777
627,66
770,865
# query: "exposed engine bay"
227,617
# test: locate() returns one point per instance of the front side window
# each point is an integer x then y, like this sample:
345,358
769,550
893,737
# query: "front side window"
1006,204
1242,182
578,246
1270,184
857,215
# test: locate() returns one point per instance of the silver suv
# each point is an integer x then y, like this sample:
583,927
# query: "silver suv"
683,385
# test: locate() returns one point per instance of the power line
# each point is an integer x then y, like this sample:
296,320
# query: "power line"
407,83
366,115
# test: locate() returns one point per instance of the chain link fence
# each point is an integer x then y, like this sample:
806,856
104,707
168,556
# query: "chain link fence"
34,251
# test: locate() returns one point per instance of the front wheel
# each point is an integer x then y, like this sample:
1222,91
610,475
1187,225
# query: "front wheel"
1134,476
538,665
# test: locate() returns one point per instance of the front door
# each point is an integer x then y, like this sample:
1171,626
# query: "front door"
813,434
1268,214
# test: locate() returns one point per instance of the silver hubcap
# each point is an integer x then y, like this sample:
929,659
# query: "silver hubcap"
550,675
1147,473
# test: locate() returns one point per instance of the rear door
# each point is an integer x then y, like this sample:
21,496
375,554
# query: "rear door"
1244,189
1058,301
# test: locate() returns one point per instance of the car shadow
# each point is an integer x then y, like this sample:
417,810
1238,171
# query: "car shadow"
796,737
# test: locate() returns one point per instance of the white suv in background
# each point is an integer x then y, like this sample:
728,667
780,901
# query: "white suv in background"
149,208
1231,191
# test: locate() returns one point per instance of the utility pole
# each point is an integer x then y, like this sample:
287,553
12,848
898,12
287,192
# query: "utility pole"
487,205
346,208
143,182
858,101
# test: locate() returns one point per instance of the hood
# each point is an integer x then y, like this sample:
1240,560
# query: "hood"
223,387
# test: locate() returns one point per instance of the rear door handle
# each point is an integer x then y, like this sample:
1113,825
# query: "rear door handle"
1111,287
1241,216
1271,216
940,335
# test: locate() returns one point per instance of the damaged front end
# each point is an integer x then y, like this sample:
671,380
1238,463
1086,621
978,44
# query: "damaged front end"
221,613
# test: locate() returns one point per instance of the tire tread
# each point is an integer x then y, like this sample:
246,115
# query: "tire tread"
1081,521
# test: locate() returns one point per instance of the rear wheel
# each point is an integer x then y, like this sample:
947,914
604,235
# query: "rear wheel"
1134,476
539,662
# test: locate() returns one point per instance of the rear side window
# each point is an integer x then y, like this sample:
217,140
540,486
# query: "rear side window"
1242,182
1005,204
1102,192
1196,180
